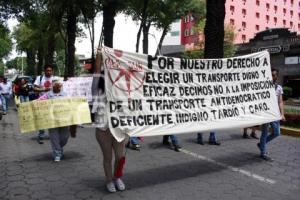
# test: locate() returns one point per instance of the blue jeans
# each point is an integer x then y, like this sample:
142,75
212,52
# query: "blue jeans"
265,138
212,137
173,138
4,100
24,98
41,134
134,140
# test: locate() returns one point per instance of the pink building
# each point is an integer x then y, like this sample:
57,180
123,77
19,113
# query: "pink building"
248,17
252,16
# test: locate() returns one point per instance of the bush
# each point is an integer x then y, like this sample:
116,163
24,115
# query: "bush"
287,92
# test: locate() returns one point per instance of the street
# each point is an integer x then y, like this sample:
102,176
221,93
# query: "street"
230,171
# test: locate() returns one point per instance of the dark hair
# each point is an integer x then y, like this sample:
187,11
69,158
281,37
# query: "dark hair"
275,70
48,66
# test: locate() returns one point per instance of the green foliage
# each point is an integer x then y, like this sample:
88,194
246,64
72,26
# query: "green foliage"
16,63
287,92
1,69
5,42
229,47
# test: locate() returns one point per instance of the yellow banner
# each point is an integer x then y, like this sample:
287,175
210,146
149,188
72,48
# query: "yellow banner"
45,114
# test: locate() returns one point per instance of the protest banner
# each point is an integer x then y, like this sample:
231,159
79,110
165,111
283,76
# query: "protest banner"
52,113
149,95
79,87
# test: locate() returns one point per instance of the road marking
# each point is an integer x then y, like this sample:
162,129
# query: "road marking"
234,169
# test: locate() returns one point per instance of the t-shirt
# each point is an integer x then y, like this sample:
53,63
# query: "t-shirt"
45,82
278,91
5,88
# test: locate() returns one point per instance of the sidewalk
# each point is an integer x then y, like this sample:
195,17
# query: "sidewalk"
230,171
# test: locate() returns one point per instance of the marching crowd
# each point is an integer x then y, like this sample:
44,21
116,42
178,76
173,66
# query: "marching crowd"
48,86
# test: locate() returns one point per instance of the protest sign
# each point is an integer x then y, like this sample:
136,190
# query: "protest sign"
149,96
79,86
45,114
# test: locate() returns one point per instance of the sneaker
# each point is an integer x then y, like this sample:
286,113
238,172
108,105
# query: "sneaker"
214,143
111,187
40,140
177,147
56,158
136,147
120,184
266,157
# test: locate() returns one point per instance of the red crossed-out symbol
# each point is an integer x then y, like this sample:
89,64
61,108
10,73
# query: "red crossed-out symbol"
131,74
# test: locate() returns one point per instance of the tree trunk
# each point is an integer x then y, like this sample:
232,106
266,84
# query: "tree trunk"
214,29
51,49
143,22
146,28
30,70
164,33
40,60
138,37
109,13
71,36
93,46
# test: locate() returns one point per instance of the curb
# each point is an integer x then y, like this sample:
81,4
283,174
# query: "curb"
290,131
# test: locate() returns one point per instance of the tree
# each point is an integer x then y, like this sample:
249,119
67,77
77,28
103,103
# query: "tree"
5,42
229,47
172,10
214,29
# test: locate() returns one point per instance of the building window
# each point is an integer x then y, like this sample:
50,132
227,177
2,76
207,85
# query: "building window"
267,6
284,11
257,15
244,25
291,13
267,18
191,18
284,22
244,12
275,20
232,22
284,2
232,9
257,2
257,27
244,38
175,33
292,2
192,31
275,9
291,24
244,1
299,27
186,32
299,16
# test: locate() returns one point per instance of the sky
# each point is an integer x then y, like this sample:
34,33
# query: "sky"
124,36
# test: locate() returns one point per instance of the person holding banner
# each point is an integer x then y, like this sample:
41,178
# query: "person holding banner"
108,143
42,84
212,139
58,136
265,138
